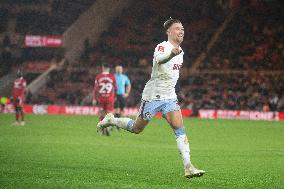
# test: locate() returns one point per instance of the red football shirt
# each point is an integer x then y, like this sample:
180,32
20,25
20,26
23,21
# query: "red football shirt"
105,87
19,88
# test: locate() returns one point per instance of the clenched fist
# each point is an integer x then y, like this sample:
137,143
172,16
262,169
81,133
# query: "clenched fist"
176,51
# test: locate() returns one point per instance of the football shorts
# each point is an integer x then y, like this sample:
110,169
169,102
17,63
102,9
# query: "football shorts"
107,106
148,109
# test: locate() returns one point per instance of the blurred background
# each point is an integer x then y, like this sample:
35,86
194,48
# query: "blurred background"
233,49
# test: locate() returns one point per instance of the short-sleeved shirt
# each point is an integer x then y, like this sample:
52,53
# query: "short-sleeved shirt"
18,92
121,81
105,87
19,87
164,77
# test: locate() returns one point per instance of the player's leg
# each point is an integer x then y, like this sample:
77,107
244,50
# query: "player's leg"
117,112
117,107
17,112
128,124
21,111
109,108
105,131
121,106
102,114
174,118
139,125
125,123
22,116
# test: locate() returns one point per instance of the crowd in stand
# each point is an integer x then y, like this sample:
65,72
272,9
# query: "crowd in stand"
42,17
131,38
37,18
6,58
252,41
252,91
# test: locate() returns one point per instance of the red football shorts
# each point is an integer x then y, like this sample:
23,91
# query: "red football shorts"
18,101
107,106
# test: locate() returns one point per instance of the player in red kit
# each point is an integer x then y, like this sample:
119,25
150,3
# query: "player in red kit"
104,93
18,95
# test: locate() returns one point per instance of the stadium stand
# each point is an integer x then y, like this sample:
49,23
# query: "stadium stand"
242,70
3,19
52,19
245,91
133,37
253,40
25,17
37,18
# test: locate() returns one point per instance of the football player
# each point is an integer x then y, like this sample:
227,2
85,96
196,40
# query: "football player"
104,93
159,95
18,97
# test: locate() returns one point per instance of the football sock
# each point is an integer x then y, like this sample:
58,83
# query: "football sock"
22,116
124,123
183,146
17,116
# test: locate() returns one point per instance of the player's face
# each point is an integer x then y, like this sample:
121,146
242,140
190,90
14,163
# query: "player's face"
176,32
118,69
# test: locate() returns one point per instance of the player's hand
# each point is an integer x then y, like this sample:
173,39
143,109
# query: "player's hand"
176,51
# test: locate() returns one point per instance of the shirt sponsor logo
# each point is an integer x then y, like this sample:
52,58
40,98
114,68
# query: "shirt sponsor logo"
176,66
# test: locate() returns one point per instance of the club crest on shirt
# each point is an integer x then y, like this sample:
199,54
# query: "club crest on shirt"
161,48
147,115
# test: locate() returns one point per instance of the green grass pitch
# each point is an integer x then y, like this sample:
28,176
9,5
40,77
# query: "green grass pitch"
55,151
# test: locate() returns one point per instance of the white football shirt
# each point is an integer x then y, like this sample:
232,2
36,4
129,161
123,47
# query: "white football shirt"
164,77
